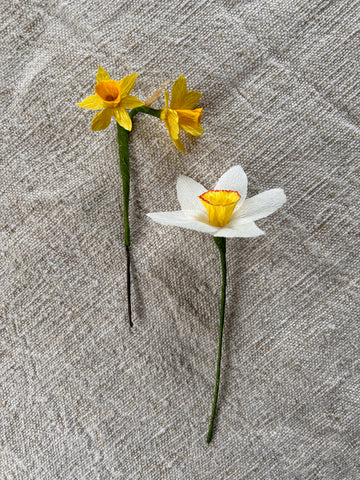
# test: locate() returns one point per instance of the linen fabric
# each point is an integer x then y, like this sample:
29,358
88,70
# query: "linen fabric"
81,395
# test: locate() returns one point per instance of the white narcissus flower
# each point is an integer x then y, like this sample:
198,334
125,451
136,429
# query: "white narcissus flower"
224,211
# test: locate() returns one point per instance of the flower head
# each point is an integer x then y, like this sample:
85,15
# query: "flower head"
112,98
181,115
224,211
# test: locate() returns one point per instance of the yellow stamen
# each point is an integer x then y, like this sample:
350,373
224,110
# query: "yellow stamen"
220,205
108,91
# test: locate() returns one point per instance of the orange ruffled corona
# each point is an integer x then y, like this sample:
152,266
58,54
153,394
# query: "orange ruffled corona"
220,205
181,114
112,98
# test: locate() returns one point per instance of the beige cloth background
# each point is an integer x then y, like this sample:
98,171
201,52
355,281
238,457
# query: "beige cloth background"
82,396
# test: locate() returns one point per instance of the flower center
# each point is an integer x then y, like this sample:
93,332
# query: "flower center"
108,91
220,205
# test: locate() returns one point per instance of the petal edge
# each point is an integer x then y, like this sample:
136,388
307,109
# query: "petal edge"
188,191
261,205
234,179
180,219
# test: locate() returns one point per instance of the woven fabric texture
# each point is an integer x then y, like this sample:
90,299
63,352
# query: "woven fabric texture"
81,395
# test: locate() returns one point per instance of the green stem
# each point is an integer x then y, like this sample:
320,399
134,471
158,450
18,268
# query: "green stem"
147,110
221,244
123,141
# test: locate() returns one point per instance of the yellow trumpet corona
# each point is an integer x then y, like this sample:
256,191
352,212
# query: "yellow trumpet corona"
219,205
181,115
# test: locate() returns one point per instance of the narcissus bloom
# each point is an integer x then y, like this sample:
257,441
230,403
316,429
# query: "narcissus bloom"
181,115
224,211
112,98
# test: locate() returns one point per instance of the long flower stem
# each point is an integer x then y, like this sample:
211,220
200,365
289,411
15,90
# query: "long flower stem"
221,244
123,141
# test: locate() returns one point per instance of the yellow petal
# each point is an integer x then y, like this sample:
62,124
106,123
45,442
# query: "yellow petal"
220,205
191,99
102,75
179,145
171,120
101,120
93,102
189,120
166,94
127,84
181,97
131,102
194,131
178,93
122,117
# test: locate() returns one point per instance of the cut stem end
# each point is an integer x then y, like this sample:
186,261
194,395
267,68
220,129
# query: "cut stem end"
128,278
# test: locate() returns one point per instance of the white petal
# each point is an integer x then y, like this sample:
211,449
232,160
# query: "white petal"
234,179
261,205
183,220
188,192
240,229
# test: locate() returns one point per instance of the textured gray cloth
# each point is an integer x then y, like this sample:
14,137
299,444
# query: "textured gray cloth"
82,396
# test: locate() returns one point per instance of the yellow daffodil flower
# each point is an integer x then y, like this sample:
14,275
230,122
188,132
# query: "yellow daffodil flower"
181,115
112,98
